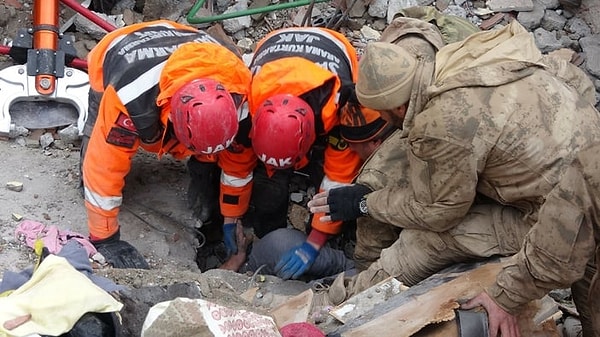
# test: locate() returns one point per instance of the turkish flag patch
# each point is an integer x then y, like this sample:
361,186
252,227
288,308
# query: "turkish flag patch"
126,123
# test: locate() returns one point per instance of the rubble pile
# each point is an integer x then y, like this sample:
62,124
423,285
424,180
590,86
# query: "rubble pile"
555,27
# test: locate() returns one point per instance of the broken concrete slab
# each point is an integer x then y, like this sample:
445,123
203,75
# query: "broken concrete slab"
510,5
294,310
365,301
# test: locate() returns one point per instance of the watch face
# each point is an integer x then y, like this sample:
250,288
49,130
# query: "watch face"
362,205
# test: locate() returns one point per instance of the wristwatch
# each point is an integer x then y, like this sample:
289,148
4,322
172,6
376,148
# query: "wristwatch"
362,206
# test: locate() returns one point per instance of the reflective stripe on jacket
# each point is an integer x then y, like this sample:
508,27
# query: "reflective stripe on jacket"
137,69
318,65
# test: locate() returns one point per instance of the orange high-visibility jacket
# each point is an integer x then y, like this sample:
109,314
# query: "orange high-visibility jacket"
320,66
137,69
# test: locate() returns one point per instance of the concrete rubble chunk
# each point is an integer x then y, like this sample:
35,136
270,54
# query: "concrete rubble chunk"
532,19
86,26
546,41
578,28
358,9
70,134
550,4
553,21
16,186
234,25
369,33
591,48
510,5
378,8
394,6
456,11
46,140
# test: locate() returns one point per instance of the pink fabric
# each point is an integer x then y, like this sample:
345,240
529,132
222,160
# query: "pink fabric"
301,329
54,239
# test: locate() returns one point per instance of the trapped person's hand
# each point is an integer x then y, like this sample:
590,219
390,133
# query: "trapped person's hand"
241,239
296,261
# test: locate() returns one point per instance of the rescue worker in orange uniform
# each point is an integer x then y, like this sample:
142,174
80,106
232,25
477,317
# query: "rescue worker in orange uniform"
302,77
164,87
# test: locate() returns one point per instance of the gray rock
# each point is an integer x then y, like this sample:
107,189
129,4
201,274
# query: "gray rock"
553,21
358,9
379,25
532,19
70,134
591,47
546,41
86,26
567,42
356,24
18,131
396,5
369,33
550,4
378,8
456,11
165,9
46,140
510,5
246,44
236,24
222,5
578,28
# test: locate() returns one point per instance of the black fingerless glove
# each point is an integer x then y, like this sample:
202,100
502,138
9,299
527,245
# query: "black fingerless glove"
344,202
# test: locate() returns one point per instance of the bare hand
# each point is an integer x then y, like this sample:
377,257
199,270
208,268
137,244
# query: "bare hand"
500,322
318,204
242,240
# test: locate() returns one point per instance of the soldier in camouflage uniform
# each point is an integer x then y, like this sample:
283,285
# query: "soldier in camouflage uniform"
494,119
555,252
412,30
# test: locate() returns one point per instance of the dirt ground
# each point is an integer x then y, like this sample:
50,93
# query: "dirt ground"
154,218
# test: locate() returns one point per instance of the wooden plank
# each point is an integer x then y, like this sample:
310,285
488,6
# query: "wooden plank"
434,301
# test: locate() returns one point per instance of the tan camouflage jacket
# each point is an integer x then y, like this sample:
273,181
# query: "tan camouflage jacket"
495,121
560,244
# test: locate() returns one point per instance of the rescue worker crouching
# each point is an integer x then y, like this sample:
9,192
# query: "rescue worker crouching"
481,121
301,79
366,132
162,86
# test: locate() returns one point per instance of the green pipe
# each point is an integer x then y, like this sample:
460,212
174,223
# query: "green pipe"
194,20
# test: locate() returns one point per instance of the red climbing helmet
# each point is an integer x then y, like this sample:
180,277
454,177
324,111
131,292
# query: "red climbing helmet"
204,116
283,130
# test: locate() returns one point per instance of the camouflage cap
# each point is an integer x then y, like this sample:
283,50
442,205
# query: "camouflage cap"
385,76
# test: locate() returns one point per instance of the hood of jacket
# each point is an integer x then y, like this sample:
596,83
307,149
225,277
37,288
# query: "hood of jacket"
490,58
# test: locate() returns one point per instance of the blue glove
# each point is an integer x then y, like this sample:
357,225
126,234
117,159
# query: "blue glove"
229,238
296,261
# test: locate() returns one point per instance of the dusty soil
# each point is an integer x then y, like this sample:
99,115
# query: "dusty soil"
154,218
